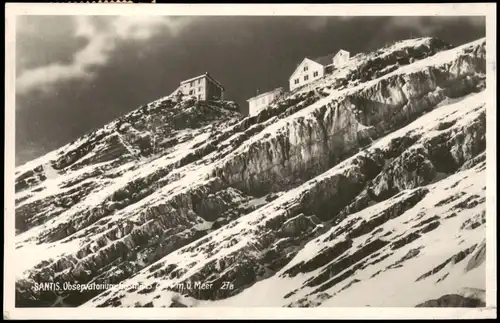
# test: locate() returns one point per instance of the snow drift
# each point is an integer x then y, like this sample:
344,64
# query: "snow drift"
364,188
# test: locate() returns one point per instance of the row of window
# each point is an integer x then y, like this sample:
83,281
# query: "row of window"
264,100
194,82
306,77
260,101
191,92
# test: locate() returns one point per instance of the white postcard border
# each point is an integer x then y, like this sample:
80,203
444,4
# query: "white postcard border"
451,9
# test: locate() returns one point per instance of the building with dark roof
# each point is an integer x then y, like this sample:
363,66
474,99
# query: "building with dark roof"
203,87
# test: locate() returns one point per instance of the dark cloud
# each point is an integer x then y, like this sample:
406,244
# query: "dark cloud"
243,53
43,40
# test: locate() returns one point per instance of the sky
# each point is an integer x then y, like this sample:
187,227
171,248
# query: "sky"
74,74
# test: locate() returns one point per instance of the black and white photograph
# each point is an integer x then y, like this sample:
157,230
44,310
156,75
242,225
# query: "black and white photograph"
198,158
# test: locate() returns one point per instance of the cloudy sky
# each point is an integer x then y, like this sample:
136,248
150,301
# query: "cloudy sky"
76,73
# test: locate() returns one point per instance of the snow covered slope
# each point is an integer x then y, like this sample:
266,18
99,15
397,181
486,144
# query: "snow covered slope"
366,187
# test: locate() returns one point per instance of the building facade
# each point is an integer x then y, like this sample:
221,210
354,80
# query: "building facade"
307,71
203,87
311,69
259,102
341,58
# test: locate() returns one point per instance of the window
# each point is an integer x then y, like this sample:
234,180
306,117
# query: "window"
199,89
306,77
191,84
296,81
305,68
315,74
191,92
199,81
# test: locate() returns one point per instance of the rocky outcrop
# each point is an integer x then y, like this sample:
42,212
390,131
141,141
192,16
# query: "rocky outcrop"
453,300
322,187
259,246
304,145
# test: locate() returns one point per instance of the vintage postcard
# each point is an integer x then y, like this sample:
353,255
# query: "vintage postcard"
250,161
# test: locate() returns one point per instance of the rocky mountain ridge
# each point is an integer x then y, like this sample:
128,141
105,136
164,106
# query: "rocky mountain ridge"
334,190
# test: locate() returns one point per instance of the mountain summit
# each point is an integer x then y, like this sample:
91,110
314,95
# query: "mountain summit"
363,188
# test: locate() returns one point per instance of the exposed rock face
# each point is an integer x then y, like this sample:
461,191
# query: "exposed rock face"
374,172
453,300
467,297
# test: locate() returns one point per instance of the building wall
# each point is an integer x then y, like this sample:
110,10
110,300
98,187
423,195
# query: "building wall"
195,88
213,91
307,72
255,105
340,58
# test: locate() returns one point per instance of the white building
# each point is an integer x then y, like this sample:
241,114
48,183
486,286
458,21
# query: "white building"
312,69
259,102
340,58
203,87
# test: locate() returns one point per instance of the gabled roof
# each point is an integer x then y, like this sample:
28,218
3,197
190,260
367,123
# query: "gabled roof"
342,51
298,65
322,60
203,76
